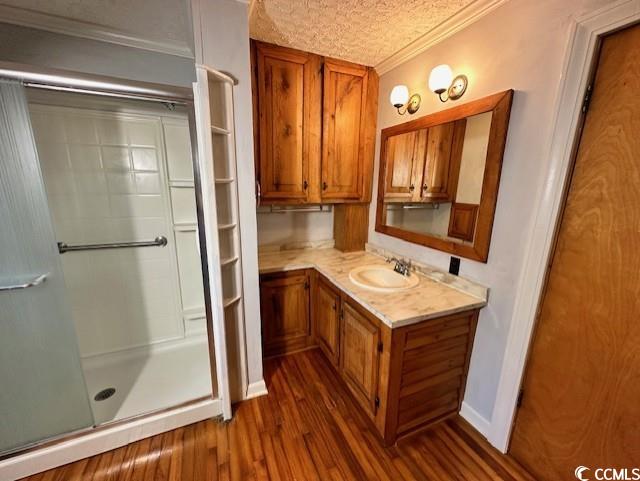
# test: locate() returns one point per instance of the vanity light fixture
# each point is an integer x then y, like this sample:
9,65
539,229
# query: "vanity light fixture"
400,98
441,80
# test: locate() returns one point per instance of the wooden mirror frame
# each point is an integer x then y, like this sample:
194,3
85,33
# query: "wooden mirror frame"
500,105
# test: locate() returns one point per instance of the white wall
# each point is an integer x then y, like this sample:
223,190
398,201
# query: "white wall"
286,227
221,30
519,46
53,50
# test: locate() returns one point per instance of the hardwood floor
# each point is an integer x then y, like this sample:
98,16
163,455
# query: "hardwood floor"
307,428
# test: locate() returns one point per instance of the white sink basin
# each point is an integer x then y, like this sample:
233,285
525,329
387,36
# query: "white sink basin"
382,279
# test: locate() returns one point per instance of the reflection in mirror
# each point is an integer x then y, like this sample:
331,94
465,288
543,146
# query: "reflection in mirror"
452,215
439,175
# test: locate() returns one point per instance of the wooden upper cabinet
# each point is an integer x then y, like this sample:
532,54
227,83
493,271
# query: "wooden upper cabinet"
284,308
359,355
442,162
314,127
424,165
326,319
405,155
286,93
343,114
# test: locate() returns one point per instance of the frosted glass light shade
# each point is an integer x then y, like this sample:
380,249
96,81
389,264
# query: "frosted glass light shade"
399,95
440,78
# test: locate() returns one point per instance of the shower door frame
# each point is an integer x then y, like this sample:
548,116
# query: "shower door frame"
76,82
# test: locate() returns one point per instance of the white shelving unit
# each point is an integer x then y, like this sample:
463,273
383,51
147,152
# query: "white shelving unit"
216,142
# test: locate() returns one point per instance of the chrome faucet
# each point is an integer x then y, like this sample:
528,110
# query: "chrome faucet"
402,267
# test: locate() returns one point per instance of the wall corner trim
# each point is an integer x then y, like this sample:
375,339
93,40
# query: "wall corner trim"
256,389
453,24
473,417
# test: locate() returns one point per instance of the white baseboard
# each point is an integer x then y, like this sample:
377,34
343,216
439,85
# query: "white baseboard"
106,439
481,424
256,389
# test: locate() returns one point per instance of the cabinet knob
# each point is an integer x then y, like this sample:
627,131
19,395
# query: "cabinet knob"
412,187
425,187
305,184
324,186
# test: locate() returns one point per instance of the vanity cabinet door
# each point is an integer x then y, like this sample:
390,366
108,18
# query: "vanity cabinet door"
286,129
404,157
442,163
284,308
359,355
343,133
326,319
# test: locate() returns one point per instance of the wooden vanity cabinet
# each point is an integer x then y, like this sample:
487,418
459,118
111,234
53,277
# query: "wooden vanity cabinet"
314,127
285,311
423,373
403,378
360,353
326,318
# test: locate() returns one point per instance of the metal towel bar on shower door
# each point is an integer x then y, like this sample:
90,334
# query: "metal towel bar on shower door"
64,247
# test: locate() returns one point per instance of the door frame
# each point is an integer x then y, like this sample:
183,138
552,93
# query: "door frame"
579,64
157,421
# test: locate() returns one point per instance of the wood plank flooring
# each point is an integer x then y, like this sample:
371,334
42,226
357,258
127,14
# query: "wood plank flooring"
307,428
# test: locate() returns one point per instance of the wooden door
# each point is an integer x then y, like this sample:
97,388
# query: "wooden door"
285,84
326,319
359,355
442,163
343,132
581,391
284,308
405,156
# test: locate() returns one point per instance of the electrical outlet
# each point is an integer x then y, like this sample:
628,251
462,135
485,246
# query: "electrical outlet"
454,266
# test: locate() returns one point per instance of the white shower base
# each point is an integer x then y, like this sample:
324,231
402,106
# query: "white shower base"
149,378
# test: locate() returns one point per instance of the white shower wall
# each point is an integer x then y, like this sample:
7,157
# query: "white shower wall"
117,176
106,182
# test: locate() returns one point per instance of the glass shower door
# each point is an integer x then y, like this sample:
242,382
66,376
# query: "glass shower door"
43,391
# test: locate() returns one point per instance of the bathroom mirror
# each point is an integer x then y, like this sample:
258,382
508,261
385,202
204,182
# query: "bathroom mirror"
439,176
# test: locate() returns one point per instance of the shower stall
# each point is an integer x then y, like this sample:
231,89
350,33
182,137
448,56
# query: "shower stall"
111,307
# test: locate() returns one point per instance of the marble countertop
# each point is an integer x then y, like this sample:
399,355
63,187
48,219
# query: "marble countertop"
429,299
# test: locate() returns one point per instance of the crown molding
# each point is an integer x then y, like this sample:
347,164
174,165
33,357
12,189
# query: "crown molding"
77,28
453,24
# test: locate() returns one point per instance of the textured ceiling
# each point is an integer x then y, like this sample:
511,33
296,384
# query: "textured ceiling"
363,31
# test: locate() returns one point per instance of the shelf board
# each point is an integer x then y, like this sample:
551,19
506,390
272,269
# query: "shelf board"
226,226
229,301
217,76
227,180
185,227
228,261
181,183
220,130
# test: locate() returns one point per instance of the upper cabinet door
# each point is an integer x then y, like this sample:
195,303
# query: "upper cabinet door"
344,108
442,164
405,155
285,80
